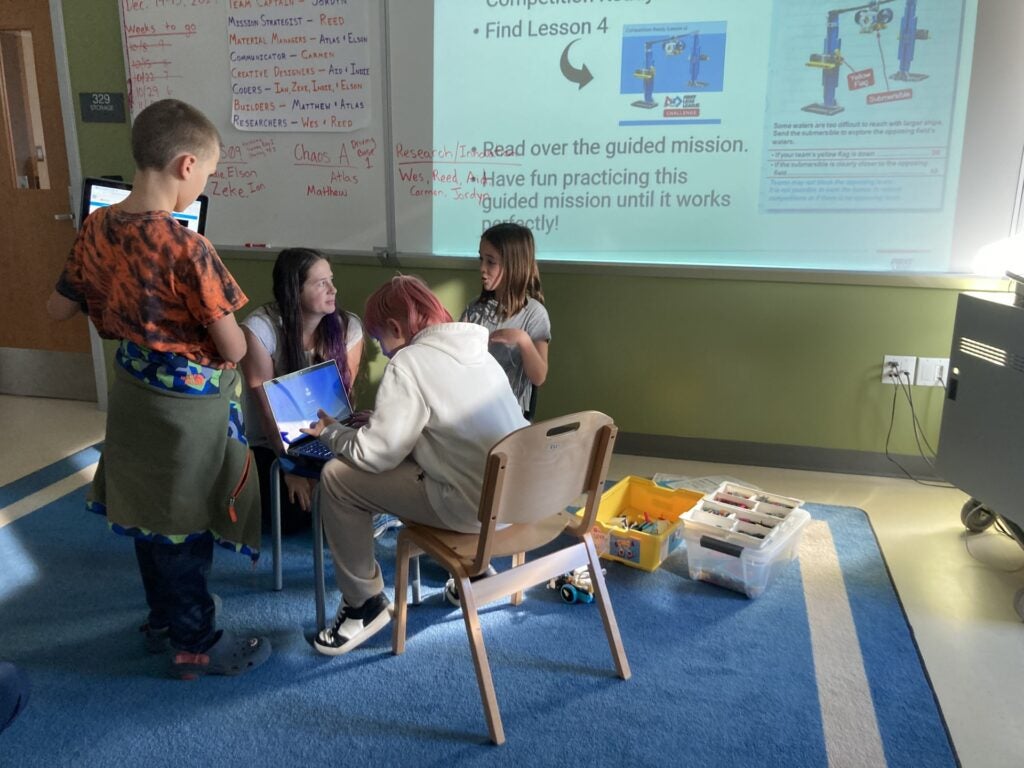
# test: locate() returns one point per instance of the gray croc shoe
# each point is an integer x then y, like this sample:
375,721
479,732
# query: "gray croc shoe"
229,655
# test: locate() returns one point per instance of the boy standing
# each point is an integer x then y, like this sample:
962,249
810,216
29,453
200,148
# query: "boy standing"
175,474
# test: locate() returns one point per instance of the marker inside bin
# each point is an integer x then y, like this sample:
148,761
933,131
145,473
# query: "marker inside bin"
642,522
714,519
752,530
779,501
740,502
759,518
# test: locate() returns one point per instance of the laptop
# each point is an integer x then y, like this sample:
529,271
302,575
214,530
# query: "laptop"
98,193
294,399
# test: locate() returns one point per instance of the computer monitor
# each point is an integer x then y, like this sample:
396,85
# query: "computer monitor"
97,193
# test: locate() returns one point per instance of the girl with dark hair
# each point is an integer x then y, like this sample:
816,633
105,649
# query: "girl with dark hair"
313,327
303,326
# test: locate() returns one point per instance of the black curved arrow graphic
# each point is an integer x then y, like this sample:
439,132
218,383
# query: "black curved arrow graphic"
570,73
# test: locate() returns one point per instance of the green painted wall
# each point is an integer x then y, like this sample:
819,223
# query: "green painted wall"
93,32
794,363
790,363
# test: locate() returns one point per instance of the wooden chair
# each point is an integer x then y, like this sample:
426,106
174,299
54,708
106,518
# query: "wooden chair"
531,476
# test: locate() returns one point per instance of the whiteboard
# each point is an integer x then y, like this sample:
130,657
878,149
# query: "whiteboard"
626,132
295,90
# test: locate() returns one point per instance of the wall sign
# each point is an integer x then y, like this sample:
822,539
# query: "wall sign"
102,107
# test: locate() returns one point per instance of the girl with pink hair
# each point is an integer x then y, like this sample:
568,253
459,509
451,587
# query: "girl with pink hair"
443,401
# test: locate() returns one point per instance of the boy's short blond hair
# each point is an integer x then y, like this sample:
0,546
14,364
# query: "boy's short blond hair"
168,127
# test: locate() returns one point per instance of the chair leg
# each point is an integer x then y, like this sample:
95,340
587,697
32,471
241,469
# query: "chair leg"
483,668
275,522
518,559
401,578
318,561
416,580
611,627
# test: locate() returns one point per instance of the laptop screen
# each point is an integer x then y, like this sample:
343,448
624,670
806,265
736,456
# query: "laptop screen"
98,193
295,397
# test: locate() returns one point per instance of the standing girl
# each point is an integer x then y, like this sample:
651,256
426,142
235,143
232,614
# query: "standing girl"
511,307
305,325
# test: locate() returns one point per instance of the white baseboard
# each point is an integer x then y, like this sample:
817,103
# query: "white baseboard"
42,373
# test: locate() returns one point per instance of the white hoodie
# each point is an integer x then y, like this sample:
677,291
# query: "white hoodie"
444,402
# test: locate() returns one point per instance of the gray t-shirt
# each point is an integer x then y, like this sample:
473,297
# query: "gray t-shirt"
533,318
265,324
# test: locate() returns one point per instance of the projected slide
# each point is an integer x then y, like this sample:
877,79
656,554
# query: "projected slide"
805,134
866,125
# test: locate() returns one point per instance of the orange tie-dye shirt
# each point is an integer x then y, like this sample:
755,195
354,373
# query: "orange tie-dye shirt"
147,278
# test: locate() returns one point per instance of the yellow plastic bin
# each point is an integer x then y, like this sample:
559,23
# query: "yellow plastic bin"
636,500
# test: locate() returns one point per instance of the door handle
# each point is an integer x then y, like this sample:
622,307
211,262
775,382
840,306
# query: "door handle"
64,216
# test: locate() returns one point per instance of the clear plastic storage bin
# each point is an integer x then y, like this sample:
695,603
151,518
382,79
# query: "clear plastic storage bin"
742,538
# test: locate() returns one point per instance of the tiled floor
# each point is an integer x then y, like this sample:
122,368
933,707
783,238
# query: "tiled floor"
958,593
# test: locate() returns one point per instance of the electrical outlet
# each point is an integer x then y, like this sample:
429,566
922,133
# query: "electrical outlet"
932,371
898,369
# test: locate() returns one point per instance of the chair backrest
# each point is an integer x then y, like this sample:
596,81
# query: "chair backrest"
537,471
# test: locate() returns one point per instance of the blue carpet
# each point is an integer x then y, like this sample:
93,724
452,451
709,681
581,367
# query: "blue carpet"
36,481
718,680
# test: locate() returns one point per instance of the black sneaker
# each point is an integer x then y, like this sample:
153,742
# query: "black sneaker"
451,589
353,626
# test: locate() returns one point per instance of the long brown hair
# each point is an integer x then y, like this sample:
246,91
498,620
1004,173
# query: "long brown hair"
520,278
290,272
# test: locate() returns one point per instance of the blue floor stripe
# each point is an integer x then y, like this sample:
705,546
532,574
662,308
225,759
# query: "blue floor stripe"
48,475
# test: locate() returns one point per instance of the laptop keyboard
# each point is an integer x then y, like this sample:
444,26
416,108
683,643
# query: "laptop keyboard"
314,449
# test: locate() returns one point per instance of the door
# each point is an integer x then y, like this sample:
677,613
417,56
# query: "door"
37,231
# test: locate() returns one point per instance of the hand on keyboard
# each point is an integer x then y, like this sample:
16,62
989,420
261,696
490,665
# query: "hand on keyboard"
317,427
